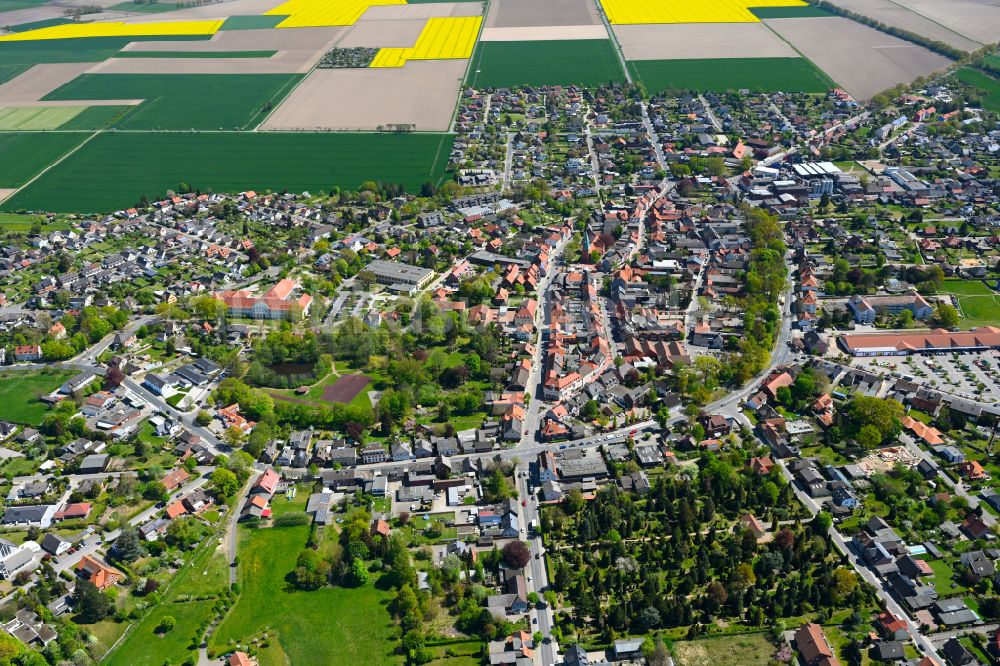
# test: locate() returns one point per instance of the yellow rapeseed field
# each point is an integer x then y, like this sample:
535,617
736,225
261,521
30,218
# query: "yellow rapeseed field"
441,39
116,29
320,13
688,11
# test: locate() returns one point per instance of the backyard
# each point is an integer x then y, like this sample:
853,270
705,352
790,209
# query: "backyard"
19,394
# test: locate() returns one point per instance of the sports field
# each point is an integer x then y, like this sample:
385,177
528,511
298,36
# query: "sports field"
722,74
25,154
978,304
688,11
989,86
115,169
184,101
586,62
19,394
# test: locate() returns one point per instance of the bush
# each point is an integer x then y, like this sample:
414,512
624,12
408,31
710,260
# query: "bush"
166,624
292,519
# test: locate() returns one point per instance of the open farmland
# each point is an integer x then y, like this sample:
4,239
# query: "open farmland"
115,29
581,62
691,11
39,81
8,72
188,101
25,154
861,59
37,117
758,74
894,14
700,40
976,19
76,50
114,169
531,13
423,93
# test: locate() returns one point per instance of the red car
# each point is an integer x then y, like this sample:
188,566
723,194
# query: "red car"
524,502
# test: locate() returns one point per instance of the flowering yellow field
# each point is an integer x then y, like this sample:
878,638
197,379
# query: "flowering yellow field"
320,13
116,29
688,11
441,39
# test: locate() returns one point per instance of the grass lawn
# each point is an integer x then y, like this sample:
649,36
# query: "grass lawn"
743,650
722,74
25,154
184,101
355,625
978,304
19,394
585,62
207,574
19,223
116,169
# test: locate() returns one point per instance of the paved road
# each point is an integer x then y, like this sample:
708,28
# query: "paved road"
211,442
536,576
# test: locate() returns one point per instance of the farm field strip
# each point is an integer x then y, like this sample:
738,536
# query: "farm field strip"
894,14
862,60
38,117
700,40
313,13
978,20
688,11
543,33
114,170
441,39
26,154
722,74
580,62
117,29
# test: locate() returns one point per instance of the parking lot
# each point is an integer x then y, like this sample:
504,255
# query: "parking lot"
971,375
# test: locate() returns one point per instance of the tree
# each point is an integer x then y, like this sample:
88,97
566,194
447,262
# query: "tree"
91,604
166,624
945,316
516,554
113,378
203,418
359,574
225,482
128,546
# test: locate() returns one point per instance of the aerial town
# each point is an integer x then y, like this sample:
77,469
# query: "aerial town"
624,368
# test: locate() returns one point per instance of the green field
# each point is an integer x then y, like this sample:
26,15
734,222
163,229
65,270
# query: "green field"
11,5
789,12
195,54
94,49
978,304
585,62
96,117
14,118
989,86
19,391
19,223
145,7
184,101
25,154
206,575
722,74
8,72
115,169
38,25
326,627
251,22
